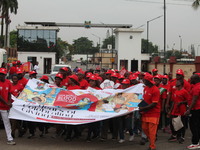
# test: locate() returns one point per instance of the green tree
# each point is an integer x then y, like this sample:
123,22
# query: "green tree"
151,48
175,53
109,41
7,7
13,39
83,45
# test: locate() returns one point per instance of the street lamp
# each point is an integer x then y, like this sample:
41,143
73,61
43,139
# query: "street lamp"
148,31
180,43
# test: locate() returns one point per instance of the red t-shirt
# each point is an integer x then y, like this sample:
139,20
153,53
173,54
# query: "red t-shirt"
65,82
16,89
172,87
75,87
180,96
195,92
13,70
83,84
4,92
23,81
152,95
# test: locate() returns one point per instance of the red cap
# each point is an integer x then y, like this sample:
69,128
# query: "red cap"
126,81
180,72
3,70
109,72
59,75
100,78
14,62
74,77
64,68
154,70
158,76
121,77
137,72
88,74
149,78
97,68
19,62
79,69
165,77
116,70
44,77
32,72
93,77
114,75
81,72
133,77
19,71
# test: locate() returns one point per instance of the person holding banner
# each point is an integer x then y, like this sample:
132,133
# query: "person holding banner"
150,109
93,127
5,104
21,80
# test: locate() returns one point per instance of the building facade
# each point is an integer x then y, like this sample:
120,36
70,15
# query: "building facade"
37,44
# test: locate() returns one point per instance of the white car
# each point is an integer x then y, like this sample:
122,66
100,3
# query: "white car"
56,68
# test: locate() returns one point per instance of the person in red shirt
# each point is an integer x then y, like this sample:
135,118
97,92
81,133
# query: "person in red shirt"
58,80
172,87
21,80
13,68
178,108
65,72
150,111
15,91
73,83
83,83
194,110
154,72
93,127
5,103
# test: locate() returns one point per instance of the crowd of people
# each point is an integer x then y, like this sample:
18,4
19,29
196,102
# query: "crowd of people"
168,104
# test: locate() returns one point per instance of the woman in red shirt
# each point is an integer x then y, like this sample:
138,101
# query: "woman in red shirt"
150,110
93,127
15,87
178,108
73,83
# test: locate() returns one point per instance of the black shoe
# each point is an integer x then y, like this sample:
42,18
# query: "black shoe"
31,136
181,140
143,141
172,139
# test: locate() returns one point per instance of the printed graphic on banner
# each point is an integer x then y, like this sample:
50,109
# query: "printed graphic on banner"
46,103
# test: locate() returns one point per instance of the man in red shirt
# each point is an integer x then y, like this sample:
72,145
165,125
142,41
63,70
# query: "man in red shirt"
23,81
5,103
83,83
150,112
194,110
172,87
64,72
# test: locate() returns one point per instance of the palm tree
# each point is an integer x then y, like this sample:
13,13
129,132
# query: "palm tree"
196,4
6,7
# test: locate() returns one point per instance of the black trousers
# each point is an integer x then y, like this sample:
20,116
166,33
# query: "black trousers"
181,132
194,122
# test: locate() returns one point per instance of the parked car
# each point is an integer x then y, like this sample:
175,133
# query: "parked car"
56,68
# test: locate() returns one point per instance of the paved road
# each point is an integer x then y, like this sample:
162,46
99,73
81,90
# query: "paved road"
49,143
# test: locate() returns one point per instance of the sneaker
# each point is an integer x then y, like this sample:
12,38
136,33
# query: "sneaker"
143,141
121,141
131,138
193,146
11,142
172,139
181,140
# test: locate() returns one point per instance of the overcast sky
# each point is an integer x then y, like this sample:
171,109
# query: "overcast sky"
182,19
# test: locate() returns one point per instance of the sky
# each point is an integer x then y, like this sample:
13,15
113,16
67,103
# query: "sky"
183,22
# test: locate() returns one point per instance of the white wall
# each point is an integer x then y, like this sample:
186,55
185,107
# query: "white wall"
78,57
128,44
23,57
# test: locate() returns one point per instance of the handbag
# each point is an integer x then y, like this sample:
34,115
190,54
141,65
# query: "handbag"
177,123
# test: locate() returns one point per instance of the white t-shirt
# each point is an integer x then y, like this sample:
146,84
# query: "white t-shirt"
36,68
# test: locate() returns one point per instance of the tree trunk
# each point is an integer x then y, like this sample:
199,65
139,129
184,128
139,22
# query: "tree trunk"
2,27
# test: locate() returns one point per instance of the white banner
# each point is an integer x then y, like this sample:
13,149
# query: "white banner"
42,102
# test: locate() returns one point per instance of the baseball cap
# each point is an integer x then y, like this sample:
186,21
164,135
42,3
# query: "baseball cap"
44,77
3,71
